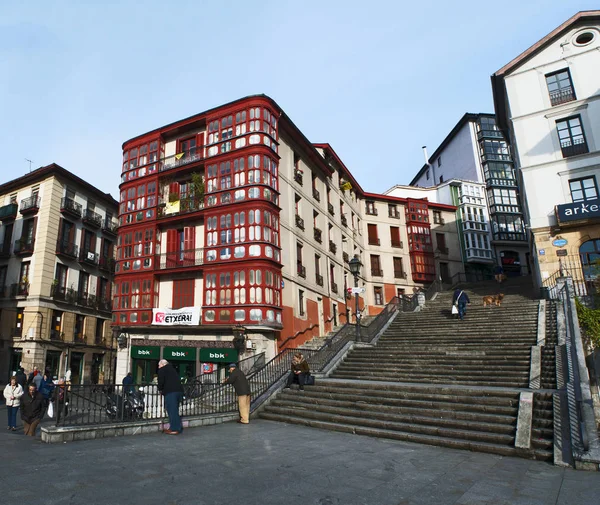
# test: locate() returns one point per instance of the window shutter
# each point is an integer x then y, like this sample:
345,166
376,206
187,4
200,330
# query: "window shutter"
372,232
189,245
171,248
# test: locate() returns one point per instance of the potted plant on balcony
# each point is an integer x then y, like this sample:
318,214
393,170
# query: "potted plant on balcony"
173,197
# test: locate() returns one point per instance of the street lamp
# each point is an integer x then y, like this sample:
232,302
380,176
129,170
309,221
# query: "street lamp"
355,265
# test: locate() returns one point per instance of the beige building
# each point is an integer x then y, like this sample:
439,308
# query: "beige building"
56,249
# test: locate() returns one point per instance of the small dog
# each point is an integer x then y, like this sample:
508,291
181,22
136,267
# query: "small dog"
493,300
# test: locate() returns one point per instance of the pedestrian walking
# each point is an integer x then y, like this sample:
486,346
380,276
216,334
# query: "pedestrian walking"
21,378
60,398
460,299
299,371
32,409
46,388
13,393
242,389
37,380
128,383
169,384
32,375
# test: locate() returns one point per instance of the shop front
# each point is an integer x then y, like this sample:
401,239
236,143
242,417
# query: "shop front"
76,366
144,363
16,355
215,360
183,360
53,362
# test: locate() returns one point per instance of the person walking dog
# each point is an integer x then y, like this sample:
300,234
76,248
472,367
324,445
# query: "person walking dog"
12,393
169,384
242,389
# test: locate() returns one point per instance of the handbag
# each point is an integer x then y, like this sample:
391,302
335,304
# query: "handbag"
454,309
309,380
51,409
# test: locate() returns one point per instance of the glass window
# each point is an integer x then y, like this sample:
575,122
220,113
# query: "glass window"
583,189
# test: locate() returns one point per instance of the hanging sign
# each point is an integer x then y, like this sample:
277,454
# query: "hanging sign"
169,317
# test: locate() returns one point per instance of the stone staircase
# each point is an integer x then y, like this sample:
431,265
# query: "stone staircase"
437,380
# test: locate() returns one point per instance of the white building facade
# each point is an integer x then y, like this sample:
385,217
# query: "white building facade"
548,102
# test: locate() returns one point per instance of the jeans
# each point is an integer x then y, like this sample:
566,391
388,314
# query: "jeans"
299,378
462,308
12,416
172,401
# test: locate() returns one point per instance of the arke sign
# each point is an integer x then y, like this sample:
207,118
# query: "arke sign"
578,211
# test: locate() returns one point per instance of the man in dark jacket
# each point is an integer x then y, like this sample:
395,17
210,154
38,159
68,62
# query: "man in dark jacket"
128,383
242,389
21,378
461,299
32,409
169,384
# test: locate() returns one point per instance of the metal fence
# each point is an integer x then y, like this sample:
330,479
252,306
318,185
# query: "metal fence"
583,276
79,405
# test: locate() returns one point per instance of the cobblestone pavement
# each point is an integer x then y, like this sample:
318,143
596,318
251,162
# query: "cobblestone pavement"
273,463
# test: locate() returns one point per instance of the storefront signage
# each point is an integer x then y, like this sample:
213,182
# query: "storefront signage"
561,252
542,252
578,211
180,353
559,242
218,355
145,352
169,317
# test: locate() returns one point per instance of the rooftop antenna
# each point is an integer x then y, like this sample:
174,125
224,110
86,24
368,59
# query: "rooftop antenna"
30,162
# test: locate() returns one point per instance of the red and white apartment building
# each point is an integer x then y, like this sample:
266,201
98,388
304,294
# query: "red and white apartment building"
235,233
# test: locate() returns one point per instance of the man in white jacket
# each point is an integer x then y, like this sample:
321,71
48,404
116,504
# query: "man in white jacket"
13,392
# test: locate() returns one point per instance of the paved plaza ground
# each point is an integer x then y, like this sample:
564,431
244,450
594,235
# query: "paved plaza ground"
268,463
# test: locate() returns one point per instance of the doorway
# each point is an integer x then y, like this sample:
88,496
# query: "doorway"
53,363
511,263
16,356
445,273
76,365
97,361
185,369
144,370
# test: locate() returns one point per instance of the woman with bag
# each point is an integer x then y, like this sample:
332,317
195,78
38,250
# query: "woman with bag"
460,299
299,371
13,392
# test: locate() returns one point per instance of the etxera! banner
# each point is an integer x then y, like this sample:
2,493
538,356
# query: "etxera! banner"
170,317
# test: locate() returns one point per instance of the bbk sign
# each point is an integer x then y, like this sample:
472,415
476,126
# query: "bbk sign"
218,355
578,211
180,353
187,316
145,352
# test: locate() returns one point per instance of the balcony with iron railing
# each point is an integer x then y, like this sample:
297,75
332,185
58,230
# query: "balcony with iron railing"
301,270
8,212
92,219
400,274
110,226
332,246
318,235
370,210
185,258
56,335
180,159
106,263
573,147
19,289
331,209
186,206
299,222
319,279
394,215
509,237
89,257
70,207
490,134
68,249
30,205
374,241
397,243
24,247
316,195
344,220
376,272
563,95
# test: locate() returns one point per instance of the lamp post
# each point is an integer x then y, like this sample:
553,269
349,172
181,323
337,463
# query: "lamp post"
355,265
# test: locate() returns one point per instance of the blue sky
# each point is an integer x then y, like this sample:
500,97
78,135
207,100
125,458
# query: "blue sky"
377,80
